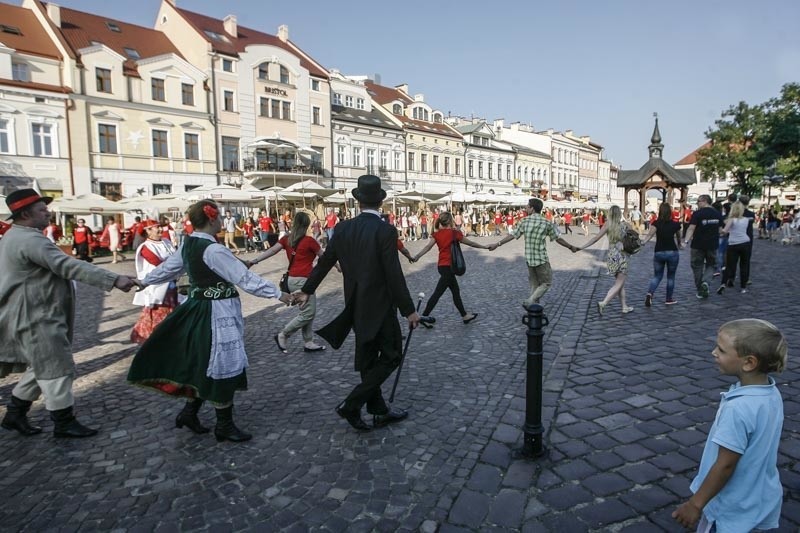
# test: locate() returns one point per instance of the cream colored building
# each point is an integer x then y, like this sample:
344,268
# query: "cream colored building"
34,141
367,139
565,152
589,154
489,163
270,99
434,150
533,161
139,123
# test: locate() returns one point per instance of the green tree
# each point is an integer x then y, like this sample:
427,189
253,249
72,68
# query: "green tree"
733,150
781,142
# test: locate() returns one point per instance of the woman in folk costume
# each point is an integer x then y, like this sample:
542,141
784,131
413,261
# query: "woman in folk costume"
158,301
197,352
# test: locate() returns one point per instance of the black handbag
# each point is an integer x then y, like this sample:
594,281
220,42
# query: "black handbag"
457,264
283,284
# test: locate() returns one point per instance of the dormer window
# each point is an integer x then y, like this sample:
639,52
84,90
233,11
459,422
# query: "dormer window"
348,101
437,118
263,71
227,65
20,72
337,99
132,53
397,109
113,26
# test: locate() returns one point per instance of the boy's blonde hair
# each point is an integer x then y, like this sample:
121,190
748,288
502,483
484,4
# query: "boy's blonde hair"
752,336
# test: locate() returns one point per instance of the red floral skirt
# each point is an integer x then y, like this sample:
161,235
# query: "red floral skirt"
151,317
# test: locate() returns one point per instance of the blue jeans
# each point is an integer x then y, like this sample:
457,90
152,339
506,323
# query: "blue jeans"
668,258
723,247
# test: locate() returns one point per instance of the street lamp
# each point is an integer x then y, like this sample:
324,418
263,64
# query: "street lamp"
771,180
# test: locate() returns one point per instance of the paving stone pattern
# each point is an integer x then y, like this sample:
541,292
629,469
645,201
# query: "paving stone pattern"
628,401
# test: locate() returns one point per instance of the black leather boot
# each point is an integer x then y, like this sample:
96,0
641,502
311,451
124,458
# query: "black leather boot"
226,429
68,426
17,417
188,417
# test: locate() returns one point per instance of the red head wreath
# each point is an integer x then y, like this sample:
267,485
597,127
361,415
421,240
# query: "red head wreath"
210,211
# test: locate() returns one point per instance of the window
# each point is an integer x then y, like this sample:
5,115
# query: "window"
436,164
519,173
157,88
485,141
491,174
437,118
348,101
191,146
316,116
230,153
5,144
42,139
263,71
447,165
337,99
480,169
113,26
356,156
410,165
397,109
397,161
227,65
471,168
103,77
423,162
384,159
508,172
112,191
359,103
276,108
371,160
287,110
107,135
13,30
20,72
161,188
227,100
458,166
425,115
341,156
263,108
216,36
160,148
315,85
187,93
132,53
284,75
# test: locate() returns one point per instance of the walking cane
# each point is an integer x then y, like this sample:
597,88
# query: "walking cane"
405,350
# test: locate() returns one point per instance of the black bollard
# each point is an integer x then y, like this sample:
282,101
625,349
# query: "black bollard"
533,444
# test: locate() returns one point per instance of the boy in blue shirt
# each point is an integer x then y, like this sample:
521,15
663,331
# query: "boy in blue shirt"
737,488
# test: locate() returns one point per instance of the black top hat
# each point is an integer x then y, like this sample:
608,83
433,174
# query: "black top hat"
22,198
369,190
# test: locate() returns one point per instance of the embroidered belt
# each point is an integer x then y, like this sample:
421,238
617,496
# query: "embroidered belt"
220,291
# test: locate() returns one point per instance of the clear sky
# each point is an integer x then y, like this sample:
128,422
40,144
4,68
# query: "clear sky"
600,68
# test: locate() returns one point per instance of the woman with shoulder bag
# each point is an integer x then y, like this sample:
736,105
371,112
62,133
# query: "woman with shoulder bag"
616,259
301,250
668,242
443,237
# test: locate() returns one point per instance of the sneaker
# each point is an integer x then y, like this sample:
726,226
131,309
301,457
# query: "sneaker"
671,302
648,300
600,307
716,274
743,291
626,310
721,289
704,290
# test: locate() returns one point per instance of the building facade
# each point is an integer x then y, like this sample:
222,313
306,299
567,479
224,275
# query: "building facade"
533,160
366,137
489,163
34,137
565,153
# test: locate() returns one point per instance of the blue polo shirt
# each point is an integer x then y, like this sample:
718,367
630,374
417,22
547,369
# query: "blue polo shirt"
748,422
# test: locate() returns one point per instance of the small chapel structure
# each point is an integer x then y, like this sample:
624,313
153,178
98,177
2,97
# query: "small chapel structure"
656,174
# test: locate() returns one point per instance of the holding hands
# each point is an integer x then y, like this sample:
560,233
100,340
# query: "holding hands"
125,283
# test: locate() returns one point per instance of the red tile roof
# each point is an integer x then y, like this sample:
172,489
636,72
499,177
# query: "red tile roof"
385,95
691,159
37,86
246,37
33,39
80,29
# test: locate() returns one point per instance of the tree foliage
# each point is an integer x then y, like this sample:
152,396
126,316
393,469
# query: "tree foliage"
748,140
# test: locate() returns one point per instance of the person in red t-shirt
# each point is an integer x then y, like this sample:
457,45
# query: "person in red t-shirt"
81,234
510,222
330,222
137,233
443,237
567,222
249,230
423,223
498,222
585,219
301,250
266,226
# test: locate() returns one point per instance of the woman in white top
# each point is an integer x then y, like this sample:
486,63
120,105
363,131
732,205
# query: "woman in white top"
113,240
738,248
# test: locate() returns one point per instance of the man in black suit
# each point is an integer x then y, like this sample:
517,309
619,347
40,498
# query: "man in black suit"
374,289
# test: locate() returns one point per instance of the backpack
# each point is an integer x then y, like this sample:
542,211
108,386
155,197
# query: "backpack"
631,242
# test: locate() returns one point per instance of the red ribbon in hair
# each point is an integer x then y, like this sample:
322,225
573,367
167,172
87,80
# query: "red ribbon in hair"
210,211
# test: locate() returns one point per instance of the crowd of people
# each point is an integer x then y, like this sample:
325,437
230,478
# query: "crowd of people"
193,347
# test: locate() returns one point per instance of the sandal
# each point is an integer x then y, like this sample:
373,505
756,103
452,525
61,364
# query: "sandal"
470,319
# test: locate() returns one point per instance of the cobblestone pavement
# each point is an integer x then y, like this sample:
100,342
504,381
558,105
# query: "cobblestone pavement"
628,402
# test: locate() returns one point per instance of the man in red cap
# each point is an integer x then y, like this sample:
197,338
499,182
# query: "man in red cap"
36,315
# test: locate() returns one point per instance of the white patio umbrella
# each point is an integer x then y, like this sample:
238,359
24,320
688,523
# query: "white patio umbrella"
337,198
158,204
4,211
310,186
85,204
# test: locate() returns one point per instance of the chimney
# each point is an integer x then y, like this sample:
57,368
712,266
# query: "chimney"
403,88
54,14
419,97
283,32
377,79
569,133
550,131
229,23
499,123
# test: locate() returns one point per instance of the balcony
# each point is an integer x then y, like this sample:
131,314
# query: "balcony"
278,162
